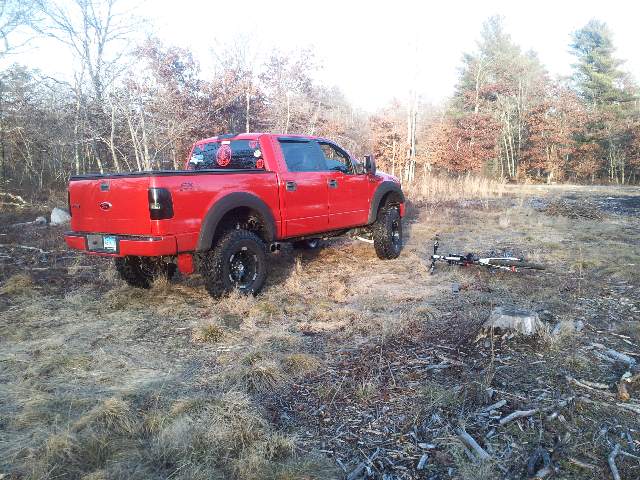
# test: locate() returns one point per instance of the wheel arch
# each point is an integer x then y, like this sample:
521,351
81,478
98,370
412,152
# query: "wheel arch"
231,209
387,193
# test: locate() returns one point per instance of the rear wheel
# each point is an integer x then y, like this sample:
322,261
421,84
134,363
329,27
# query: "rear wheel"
239,262
387,233
142,271
507,262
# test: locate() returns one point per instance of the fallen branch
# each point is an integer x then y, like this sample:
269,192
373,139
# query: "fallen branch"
528,413
600,386
16,198
42,252
362,466
518,414
577,462
626,454
583,384
471,443
629,407
451,361
495,406
543,472
612,462
617,355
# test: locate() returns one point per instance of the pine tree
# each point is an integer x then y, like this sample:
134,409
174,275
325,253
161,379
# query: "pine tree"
598,74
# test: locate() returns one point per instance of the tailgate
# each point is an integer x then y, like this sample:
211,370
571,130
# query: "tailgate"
110,204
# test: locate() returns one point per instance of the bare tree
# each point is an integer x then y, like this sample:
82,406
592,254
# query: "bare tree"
97,32
237,61
15,18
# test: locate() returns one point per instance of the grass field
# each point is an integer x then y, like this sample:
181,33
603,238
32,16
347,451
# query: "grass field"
345,366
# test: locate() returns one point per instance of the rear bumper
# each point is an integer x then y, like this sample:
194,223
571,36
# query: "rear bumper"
126,245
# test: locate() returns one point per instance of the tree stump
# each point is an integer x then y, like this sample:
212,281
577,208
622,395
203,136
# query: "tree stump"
514,318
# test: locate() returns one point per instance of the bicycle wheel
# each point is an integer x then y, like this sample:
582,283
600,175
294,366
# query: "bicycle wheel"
512,262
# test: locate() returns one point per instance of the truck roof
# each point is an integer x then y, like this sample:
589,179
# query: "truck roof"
253,136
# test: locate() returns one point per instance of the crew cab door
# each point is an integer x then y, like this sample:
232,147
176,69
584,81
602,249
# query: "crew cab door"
305,187
348,193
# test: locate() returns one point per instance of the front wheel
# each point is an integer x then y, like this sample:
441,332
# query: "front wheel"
142,271
387,234
238,262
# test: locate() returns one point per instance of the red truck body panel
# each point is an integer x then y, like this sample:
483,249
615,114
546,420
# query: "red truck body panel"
111,214
125,205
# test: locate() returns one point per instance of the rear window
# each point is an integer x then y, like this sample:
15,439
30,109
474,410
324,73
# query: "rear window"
227,155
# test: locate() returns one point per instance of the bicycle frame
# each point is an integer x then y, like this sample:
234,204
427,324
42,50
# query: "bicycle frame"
471,259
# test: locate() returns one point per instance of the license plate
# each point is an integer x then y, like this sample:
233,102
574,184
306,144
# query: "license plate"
110,243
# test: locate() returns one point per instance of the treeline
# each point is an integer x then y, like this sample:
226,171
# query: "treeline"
140,106
511,120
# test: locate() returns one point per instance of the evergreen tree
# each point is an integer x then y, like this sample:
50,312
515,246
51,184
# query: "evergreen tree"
598,74
498,80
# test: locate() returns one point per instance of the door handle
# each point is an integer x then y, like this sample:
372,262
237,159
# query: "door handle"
333,183
291,186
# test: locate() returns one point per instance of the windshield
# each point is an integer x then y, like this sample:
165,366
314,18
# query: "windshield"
227,155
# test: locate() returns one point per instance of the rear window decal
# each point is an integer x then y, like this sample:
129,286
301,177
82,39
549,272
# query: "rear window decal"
223,156
227,155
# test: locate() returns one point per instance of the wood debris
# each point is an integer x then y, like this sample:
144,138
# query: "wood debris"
627,379
471,443
612,462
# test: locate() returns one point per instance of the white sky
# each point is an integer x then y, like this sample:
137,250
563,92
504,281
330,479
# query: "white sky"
369,49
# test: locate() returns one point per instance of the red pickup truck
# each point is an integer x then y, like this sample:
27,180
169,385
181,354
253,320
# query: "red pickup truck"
238,196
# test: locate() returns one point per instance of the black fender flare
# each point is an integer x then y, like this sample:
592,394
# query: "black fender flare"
381,192
225,205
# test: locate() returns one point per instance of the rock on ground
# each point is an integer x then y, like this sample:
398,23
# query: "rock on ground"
59,217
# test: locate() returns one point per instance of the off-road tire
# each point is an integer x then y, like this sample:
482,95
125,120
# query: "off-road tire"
506,262
140,272
387,233
308,244
238,262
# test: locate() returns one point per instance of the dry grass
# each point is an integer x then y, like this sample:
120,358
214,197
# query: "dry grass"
102,381
446,188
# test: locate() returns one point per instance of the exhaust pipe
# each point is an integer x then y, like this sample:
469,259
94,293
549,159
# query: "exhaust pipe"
275,247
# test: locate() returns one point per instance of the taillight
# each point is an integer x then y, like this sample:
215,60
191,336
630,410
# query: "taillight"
69,202
160,204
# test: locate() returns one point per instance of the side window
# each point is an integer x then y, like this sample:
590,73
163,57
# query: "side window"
337,159
299,156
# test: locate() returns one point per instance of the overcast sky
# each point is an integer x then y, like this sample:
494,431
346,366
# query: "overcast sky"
369,49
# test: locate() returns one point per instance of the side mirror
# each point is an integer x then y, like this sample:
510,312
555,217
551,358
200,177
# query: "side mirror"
369,164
